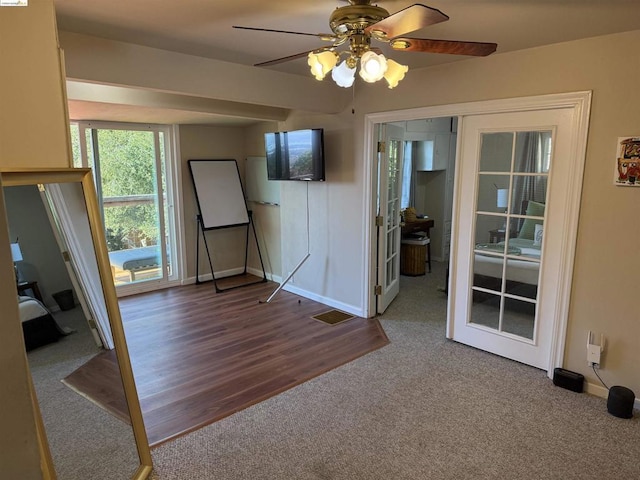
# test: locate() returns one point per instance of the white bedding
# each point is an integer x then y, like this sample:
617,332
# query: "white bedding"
522,271
30,308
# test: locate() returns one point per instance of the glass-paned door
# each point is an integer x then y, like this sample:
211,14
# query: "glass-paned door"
511,232
131,175
388,214
509,221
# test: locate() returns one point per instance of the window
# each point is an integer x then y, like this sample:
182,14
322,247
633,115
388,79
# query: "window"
133,177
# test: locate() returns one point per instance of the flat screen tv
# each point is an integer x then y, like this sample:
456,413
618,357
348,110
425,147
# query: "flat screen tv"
295,155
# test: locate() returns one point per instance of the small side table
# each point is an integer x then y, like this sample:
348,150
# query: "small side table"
33,286
497,235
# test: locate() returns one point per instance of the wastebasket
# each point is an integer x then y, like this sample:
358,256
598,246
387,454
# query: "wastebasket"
64,299
413,255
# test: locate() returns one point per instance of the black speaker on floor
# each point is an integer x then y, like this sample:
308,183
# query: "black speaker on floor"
620,402
567,379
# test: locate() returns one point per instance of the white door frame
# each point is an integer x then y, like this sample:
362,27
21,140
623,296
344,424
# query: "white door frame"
580,102
173,172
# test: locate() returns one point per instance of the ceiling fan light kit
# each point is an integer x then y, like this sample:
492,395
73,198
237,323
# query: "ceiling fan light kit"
322,63
344,75
358,23
372,66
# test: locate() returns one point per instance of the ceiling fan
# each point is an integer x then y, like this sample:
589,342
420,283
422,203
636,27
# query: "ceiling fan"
360,22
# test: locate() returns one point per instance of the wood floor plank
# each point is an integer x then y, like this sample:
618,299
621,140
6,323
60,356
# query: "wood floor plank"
199,356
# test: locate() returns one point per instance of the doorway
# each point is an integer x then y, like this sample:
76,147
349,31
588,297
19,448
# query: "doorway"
578,104
423,173
136,187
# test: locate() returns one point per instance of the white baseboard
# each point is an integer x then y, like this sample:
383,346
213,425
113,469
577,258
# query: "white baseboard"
230,273
270,276
600,391
324,300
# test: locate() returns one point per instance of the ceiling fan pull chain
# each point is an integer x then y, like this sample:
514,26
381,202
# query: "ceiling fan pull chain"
353,99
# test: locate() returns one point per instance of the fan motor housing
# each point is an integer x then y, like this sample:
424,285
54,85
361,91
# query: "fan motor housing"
355,18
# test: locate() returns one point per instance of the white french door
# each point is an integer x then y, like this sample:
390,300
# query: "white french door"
514,228
388,214
135,186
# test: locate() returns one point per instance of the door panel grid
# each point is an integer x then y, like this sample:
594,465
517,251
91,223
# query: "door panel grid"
512,173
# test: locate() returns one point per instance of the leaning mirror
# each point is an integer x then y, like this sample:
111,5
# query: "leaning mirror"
76,349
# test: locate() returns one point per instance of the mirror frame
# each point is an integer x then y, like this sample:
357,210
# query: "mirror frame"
16,177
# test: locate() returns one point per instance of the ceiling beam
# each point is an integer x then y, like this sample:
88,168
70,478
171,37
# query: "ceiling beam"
96,60
93,92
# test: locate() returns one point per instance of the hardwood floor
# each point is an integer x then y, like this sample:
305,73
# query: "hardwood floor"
199,356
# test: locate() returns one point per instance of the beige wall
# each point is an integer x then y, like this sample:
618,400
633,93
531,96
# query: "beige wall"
605,288
33,111
209,142
33,132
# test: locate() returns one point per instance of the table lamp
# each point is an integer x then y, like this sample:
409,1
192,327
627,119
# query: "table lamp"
16,254
502,201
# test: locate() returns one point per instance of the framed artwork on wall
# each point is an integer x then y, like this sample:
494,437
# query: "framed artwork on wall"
628,162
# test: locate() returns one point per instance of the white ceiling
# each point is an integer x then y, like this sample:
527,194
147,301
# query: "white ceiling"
204,27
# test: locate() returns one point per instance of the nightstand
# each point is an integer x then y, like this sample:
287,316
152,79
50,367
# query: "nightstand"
33,286
497,235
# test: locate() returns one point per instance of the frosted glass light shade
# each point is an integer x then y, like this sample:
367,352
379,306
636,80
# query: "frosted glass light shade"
321,63
372,66
343,75
395,72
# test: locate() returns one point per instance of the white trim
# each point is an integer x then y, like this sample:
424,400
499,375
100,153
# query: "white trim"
369,236
173,173
206,277
352,309
580,102
581,111
270,276
178,200
83,257
600,391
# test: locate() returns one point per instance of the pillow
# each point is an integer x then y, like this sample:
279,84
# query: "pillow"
534,209
537,235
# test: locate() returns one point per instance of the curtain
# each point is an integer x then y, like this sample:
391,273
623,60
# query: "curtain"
531,158
406,199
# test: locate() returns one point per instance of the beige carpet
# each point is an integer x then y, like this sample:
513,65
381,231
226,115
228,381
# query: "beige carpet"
420,408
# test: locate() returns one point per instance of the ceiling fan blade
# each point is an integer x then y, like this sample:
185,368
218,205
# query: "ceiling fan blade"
287,58
453,47
407,20
329,37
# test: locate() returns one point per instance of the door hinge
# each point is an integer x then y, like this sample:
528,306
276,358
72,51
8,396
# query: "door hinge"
92,324
381,147
377,290
66,257
379,221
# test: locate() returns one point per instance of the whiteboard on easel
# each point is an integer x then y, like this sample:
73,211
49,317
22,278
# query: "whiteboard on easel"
219,193
259,189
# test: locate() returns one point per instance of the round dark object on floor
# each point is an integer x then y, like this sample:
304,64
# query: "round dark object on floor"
620,402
